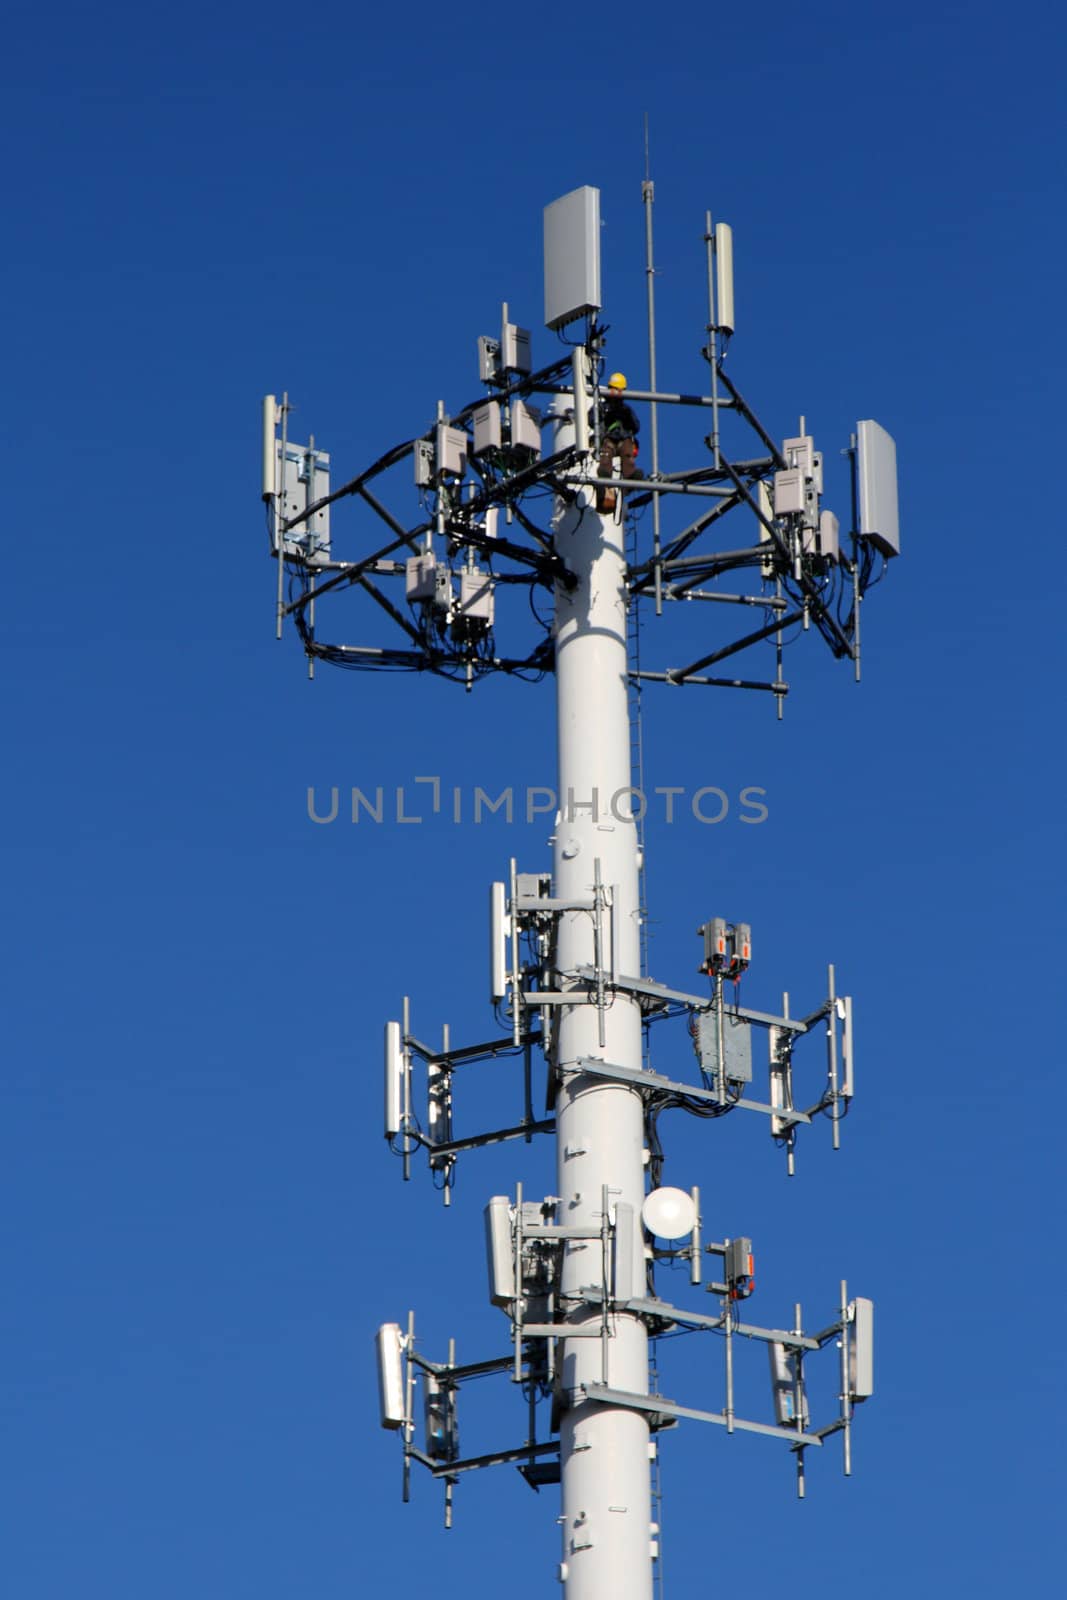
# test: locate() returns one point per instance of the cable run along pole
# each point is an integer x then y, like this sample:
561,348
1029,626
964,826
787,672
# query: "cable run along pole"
648,195
604,1450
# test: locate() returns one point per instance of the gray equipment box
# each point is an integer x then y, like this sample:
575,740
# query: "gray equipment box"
452,445
486,424
789,492
525,428
303,476
737,1044
420,577
488,359
476,596
790,1399
572,256
515,354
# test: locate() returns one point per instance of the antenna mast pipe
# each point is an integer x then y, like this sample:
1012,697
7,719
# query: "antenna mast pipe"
713,354
648,195
604,1449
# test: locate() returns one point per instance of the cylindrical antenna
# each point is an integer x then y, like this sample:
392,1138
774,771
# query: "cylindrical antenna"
724,276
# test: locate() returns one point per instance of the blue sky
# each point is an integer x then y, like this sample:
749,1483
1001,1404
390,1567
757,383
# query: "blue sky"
203,1224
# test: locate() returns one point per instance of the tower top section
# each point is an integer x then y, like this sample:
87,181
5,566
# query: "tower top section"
445,533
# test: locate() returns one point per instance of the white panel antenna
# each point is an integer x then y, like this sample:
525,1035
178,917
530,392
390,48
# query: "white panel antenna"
500,1250
861,1350
499,939
390,1346
724,276
572,257
395,1075
876,469
270,459
844,1011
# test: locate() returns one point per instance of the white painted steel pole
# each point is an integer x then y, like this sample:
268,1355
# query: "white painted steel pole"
604,1450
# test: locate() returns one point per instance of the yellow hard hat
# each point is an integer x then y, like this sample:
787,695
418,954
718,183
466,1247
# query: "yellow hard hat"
617,380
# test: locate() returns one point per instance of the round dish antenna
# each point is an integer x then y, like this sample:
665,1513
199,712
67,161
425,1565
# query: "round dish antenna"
669,1213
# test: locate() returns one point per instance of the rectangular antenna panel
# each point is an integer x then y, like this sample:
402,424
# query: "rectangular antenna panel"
848,1082
498,942
301,481
724,276
572,256
394,1080
876,469
500,1250
390,1345
861,1350
270,459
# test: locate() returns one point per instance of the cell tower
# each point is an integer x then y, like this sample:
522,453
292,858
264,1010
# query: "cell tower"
574,1271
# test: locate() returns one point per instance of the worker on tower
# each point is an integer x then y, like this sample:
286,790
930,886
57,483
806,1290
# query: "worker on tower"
619,428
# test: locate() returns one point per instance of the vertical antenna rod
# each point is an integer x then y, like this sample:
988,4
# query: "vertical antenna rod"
713,353
279,511
604,1463
648,195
